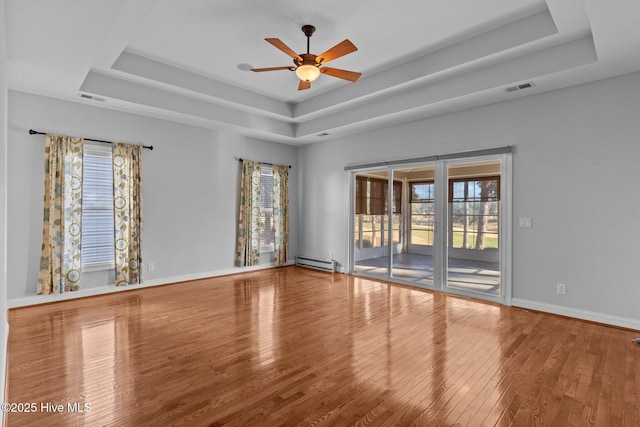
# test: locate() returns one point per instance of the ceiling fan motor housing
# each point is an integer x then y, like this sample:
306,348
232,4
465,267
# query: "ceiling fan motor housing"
307,59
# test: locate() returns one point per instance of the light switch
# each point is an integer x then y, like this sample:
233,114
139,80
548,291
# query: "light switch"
525,222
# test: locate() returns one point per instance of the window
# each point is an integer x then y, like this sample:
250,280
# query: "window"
266,209
372,218
421,200
97,209
263,224
474,212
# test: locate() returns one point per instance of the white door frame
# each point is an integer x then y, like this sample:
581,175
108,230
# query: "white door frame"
441,225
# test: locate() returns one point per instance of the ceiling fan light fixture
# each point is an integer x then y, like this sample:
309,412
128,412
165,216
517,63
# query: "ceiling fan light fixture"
307,73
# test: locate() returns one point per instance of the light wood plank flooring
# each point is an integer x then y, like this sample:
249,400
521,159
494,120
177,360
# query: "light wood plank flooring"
292,346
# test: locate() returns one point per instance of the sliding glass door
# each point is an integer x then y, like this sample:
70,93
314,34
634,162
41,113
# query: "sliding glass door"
414,261
374,235
438,224
473,231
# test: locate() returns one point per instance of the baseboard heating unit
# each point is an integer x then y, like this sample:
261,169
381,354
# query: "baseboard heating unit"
317,263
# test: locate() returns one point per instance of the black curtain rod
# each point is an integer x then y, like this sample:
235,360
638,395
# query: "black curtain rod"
264,163
35,132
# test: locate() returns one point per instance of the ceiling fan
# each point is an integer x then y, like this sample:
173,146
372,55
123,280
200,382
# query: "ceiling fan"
309,66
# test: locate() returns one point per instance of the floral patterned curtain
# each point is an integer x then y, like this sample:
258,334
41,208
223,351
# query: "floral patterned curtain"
127,212
61,259
281,213
248,249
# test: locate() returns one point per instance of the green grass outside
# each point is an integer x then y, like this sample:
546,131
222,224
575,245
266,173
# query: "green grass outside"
425,237
421,236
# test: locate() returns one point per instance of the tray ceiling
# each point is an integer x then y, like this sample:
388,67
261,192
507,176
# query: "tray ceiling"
186,61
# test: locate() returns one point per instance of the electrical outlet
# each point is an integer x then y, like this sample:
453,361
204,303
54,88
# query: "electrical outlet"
525,222
562,289
152,266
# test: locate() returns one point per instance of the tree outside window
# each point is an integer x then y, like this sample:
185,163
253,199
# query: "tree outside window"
474,207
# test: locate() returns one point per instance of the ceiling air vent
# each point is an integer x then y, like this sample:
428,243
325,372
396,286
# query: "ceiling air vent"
519,87
323,134
91,97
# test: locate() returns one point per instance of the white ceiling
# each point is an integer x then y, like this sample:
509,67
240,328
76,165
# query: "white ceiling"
183,60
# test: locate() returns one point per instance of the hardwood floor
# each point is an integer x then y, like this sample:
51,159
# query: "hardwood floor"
292,346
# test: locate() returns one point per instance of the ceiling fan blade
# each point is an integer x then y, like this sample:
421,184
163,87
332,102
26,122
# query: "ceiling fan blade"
352,76
304,85
283,47
258,70
343,48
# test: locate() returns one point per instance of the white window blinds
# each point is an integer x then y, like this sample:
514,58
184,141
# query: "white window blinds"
266,209
97,208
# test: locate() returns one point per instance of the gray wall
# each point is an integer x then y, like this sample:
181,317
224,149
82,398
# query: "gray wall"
4,328
575,172
191,181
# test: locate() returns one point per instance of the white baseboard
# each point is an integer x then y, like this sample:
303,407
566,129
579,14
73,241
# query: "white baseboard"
102,290
592,316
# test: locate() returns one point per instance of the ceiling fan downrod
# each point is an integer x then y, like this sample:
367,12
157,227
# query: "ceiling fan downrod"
308,31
